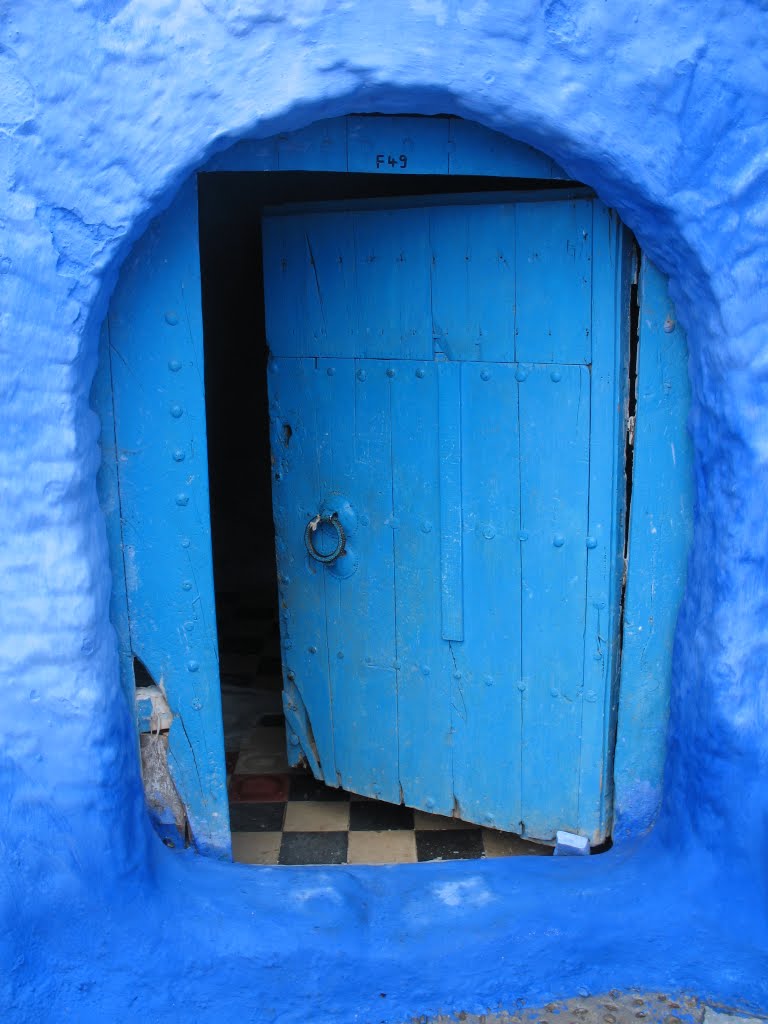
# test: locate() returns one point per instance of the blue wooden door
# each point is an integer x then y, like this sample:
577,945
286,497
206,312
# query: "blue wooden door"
154,490
447,415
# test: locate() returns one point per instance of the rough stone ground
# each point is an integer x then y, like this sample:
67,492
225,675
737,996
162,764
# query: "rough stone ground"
633,1007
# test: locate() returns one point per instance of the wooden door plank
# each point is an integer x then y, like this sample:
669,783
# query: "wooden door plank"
554,281
331,277
342,285
321,146
473,281
554,470
156,351
108,488
294,319
486,698
311,280
475,149
660,534
426,667
431,146
376,144
355,414
610,327
392,283
297,451
449,473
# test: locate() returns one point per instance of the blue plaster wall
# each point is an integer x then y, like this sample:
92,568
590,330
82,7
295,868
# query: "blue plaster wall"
105,107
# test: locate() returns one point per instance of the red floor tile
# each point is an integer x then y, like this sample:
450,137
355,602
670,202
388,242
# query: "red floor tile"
258,788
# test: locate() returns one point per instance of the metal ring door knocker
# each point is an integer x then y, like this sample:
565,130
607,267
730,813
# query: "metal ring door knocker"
325,538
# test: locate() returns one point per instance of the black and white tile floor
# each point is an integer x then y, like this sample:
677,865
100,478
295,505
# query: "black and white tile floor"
283,816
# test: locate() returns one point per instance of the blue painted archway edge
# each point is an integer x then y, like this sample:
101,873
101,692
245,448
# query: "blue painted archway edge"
104,918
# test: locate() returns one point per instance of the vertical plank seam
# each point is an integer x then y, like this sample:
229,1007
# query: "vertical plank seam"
394,582
457,674
520,557
212,635
514,298
204,794
589,506
452,725
617,578
324,571
451,557
519,516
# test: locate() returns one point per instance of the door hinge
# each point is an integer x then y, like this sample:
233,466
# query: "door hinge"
630,431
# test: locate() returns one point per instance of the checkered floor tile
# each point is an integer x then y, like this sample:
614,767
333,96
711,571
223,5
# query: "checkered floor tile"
282,816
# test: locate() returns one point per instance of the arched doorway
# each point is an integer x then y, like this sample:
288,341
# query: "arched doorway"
160,485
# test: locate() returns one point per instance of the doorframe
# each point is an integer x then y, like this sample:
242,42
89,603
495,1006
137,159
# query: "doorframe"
660,517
